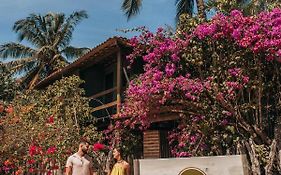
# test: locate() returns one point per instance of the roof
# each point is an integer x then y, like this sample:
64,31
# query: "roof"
95,55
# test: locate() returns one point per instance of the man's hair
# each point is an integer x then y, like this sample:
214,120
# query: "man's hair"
83,143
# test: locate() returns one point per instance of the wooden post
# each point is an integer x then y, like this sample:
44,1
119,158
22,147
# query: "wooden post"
136,167
119,80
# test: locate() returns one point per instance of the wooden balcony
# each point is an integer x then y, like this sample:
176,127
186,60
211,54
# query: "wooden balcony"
115,90
104,105
103,93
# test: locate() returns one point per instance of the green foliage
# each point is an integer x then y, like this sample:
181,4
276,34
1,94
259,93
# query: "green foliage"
186,25
8,86
249,7
51,118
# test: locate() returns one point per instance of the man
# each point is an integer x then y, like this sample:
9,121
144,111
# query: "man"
80,163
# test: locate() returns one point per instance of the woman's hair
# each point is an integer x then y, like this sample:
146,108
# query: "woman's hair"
119,149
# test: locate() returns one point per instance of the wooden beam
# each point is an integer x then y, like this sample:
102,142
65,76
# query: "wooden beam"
164,117
119,80
155,118
105,106
103,93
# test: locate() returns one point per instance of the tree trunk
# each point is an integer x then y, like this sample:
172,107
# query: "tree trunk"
277,132
255,165
201,9
271,158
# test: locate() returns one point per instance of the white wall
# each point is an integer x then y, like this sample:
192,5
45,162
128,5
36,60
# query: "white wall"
214,165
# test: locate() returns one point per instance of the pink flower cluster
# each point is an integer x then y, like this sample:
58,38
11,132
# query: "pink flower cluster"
51,150
181,139
261,34
37,150
168,75
98,147
34,150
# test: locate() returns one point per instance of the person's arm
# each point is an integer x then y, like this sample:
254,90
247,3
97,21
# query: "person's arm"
128,171
107,172
91,171
91,167
68,169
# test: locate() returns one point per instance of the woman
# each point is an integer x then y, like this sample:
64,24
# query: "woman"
121,167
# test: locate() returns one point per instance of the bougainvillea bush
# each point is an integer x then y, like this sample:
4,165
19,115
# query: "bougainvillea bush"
42,128
222,78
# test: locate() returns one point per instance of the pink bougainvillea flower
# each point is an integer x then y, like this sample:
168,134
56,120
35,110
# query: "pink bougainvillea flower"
31,170
7,162
98,147
9,110
51,150
34,150
19,171
51,119
31,161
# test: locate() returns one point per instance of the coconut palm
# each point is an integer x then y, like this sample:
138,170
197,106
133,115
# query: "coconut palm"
132,7
50,37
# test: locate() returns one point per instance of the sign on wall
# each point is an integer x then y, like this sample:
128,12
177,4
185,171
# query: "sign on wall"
213,165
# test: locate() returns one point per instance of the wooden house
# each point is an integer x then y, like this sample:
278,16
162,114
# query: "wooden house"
104,71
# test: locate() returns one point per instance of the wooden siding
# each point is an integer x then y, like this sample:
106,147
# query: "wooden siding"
151,144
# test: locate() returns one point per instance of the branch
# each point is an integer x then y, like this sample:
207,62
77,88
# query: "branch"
268,167
253,157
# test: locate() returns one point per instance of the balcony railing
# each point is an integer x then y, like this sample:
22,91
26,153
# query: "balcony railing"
102,104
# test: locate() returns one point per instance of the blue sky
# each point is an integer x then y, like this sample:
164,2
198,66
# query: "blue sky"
105,16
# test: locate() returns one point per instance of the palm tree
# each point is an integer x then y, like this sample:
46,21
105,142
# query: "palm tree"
132,7
50,35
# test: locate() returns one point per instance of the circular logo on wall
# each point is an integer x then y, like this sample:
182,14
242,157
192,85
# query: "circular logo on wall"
192,171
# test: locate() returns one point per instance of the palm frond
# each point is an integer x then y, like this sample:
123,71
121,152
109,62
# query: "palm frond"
72,52
33,29
54,22
58,22
131,7
13,65
15,50
65,35
184,6
22,69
